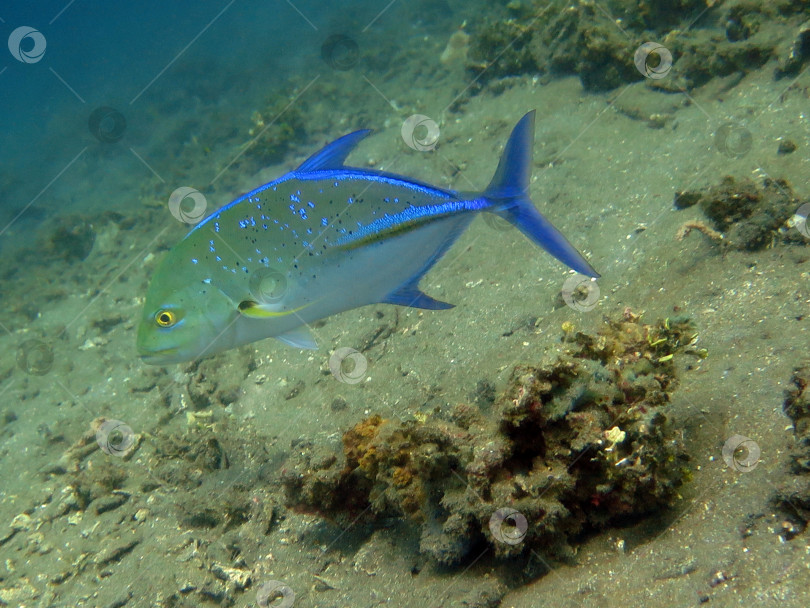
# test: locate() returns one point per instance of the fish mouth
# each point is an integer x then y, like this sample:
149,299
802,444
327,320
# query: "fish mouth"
158,356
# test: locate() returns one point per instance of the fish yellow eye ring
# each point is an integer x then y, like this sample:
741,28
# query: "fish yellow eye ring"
165,318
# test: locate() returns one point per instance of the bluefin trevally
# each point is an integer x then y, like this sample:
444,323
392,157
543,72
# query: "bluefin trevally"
323,239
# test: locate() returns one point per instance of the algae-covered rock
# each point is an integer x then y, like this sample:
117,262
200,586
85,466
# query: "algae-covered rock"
747,216
578,39
275,128
597,41
792,498
572,445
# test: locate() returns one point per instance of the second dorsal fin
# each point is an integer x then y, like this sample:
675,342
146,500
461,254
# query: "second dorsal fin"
332,155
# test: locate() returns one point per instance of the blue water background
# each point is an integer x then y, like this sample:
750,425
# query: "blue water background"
163,65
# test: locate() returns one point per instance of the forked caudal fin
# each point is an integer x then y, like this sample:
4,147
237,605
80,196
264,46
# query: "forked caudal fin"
509,194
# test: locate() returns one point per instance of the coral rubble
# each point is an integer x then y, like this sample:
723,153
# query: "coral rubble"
572,445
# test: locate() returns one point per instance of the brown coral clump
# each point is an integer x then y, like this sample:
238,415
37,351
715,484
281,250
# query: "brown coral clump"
573,445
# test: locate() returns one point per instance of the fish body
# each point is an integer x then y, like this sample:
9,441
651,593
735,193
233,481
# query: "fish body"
323,239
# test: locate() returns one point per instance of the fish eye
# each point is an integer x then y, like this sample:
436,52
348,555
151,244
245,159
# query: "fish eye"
165,318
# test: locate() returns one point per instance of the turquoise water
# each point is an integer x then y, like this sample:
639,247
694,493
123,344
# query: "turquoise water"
230,481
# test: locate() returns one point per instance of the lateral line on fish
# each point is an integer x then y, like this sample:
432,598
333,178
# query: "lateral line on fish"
395,224
380,176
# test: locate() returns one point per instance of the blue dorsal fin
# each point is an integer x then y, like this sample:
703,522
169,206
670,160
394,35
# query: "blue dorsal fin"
410,295
331,156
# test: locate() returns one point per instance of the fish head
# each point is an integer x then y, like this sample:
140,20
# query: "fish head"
184,322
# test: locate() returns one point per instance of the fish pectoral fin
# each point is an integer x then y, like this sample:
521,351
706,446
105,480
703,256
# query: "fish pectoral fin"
256,310
410,295
300,337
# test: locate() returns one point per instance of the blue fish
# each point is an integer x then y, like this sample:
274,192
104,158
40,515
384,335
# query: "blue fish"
323,239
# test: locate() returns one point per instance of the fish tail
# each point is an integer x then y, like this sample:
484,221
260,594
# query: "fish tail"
508,195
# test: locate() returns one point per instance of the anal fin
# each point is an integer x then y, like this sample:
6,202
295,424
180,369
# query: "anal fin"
410,295
300,337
